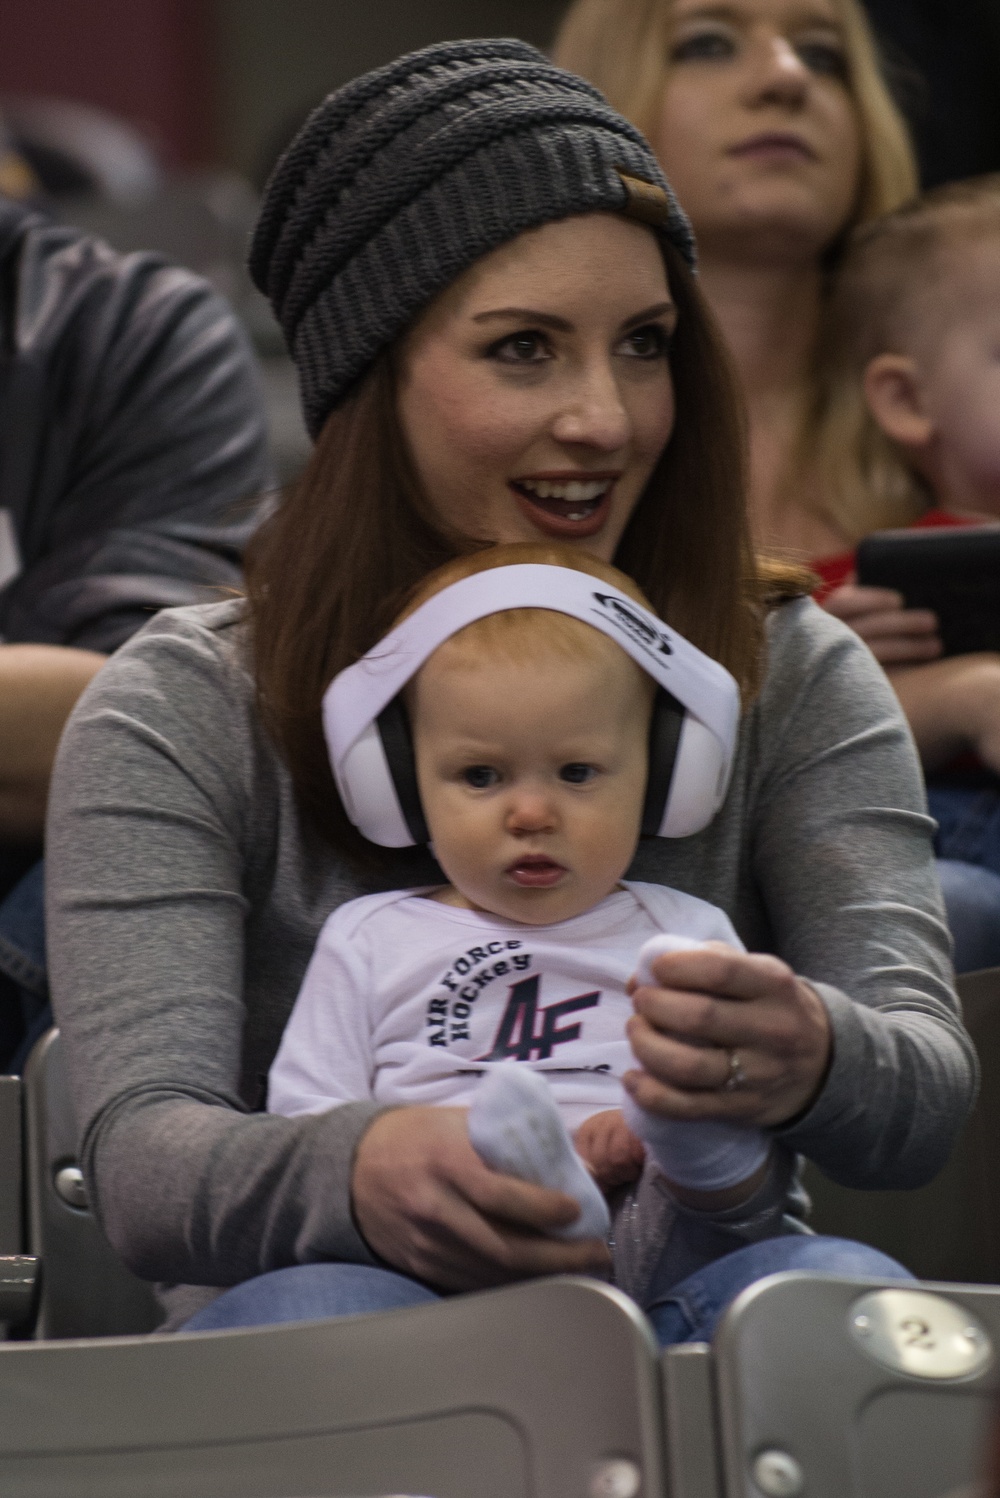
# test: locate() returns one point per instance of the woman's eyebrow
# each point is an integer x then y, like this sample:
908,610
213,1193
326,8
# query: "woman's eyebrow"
649,314
806,17
560,324
525,314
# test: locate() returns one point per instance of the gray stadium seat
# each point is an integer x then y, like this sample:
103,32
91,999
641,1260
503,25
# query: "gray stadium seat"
950,1229
830,1388
18,1273
86,1290
542,1390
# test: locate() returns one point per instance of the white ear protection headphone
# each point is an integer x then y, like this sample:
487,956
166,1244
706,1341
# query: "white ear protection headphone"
692,736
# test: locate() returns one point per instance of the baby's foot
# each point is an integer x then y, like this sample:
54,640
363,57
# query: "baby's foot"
515,1127
704,1156
655,947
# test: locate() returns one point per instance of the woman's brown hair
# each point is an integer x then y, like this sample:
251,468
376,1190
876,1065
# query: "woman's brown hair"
333,566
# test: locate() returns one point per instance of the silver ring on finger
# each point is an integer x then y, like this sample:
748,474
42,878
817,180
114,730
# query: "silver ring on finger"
736,1077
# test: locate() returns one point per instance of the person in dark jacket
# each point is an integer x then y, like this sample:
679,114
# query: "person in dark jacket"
133,469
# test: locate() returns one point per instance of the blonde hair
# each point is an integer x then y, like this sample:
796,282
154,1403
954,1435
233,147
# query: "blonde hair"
888,267
623,46
530,635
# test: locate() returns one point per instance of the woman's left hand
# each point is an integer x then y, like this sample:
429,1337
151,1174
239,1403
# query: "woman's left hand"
727,1035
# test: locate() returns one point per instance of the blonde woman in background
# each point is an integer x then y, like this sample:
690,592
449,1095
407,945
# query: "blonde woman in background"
776,127
772,120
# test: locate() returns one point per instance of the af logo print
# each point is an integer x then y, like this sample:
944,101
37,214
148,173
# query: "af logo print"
518,1034
527,1030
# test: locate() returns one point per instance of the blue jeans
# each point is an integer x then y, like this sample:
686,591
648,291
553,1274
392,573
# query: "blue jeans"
968,818
967,811
972,903
312,1292
24,992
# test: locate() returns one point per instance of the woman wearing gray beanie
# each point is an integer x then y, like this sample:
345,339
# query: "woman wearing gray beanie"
487,289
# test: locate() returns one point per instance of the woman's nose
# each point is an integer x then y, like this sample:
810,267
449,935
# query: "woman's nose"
594,414
777,72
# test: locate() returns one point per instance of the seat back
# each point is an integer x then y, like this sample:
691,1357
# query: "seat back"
691,1422
86,1290
540,1390
856,1389
949,1229
18,1272
11,1164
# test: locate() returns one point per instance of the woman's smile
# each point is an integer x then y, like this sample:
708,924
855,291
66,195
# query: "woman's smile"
565,505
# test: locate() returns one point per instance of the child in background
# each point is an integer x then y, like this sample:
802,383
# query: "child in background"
915,323
531,733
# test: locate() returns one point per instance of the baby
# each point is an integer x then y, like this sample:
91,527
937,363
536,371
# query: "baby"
916,321
917,312
531,734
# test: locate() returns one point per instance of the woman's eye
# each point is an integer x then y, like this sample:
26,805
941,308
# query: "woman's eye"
480,777
575,774
825,58
701,46
651,342
521,348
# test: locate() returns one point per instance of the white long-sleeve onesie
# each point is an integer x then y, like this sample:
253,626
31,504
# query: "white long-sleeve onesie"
408,1000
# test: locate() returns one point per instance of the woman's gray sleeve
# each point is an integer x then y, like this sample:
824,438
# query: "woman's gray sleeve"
146,903
842,852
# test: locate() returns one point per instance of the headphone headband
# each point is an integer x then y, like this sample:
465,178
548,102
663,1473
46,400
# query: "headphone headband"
356,697
701,690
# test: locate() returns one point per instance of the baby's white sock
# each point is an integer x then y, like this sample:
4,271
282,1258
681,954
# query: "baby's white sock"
515,1127
703,1156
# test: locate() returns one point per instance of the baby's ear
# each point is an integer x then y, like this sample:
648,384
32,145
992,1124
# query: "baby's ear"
894,392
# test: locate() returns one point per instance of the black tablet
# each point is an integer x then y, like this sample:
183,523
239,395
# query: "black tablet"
955,572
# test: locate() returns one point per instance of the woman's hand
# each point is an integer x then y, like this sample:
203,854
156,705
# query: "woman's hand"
609,1149
426,1204
895,635
723,1017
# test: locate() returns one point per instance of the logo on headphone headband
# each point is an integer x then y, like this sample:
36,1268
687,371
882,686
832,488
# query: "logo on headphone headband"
634,624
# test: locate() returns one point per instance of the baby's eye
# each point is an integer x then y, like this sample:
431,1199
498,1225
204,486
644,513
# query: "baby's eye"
708,45
825,58
480,777
521,348
649,342
575,774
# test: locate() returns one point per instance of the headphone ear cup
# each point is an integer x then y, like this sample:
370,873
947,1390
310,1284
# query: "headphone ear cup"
393,725
664,736
702,769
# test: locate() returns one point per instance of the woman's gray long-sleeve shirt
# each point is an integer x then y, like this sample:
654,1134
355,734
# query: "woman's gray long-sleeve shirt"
185,897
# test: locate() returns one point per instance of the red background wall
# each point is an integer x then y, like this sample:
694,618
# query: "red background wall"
150,61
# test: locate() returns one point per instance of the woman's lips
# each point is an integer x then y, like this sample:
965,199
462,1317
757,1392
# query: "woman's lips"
539,872
775,146
563,517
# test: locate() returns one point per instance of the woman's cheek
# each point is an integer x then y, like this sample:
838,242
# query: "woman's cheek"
653,421
500,437
681,145
845,169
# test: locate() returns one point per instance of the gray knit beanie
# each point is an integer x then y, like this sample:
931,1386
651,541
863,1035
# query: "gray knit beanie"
400,180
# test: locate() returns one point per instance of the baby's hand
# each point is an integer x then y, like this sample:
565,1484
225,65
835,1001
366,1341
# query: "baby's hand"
608,1147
